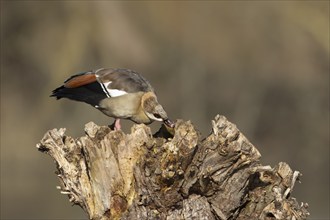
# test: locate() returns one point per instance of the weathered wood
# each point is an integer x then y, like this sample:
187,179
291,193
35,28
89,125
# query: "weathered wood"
113,175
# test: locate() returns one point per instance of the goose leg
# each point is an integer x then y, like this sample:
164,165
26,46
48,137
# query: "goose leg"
116,125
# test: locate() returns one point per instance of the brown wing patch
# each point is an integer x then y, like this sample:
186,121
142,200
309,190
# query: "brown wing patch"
80,80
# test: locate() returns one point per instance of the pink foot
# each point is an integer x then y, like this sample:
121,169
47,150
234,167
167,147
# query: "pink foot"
117,126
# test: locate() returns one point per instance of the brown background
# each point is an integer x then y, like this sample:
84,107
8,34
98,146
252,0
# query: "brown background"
262,64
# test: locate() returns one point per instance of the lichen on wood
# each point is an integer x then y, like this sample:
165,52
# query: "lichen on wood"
171,175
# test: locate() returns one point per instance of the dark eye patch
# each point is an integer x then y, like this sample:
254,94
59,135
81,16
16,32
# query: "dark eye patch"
157,115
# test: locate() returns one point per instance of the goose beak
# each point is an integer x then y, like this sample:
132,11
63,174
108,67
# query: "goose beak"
169,123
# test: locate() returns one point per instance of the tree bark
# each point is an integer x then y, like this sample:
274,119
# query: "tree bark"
171,175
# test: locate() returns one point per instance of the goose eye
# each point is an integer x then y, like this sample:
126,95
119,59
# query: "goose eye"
157,115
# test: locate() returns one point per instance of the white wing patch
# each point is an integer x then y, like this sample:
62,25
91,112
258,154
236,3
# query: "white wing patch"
112,92
105,88
116,92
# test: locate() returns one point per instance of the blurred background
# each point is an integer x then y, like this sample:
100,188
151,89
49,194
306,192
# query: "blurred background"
262,64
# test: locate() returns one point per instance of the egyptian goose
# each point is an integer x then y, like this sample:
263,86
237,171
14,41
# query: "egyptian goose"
118,93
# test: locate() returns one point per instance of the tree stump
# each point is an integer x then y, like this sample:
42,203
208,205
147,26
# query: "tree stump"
113,175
